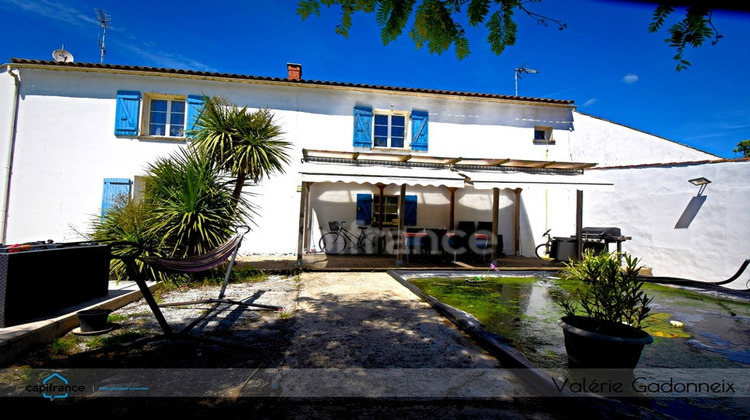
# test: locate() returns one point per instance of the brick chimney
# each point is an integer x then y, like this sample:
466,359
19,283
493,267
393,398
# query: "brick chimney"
295,71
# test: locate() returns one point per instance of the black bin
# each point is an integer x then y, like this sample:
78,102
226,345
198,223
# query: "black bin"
40,282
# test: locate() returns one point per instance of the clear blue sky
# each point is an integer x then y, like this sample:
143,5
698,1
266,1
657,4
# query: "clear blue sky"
605,61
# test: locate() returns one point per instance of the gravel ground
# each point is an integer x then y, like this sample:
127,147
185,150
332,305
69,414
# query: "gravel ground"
358,345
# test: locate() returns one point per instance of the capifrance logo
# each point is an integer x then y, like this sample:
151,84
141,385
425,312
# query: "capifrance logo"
55,386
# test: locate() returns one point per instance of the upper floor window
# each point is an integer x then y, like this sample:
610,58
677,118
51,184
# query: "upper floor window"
161,115
389,129
543,135
166,117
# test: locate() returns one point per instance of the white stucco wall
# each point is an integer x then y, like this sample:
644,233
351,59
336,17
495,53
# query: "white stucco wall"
654,205
66,146
608,144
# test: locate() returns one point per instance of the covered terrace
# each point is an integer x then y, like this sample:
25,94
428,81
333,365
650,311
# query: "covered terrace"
453,173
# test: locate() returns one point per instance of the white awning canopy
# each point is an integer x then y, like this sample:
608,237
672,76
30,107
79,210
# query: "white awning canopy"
380,174
487,180
479,173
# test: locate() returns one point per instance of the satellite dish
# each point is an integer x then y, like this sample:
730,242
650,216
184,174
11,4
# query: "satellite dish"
61,55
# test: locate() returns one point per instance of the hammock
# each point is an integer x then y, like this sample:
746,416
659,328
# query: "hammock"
194,264
197,263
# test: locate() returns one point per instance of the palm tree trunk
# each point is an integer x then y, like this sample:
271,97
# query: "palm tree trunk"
239,183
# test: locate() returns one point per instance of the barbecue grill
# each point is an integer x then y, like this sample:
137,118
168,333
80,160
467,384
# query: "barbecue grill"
596,238
599,238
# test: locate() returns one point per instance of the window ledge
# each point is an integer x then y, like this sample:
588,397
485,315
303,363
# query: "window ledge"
163,138
544,142
390,149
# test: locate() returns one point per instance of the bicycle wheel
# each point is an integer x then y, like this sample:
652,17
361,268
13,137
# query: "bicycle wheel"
369,244
380,242
332,243
542,251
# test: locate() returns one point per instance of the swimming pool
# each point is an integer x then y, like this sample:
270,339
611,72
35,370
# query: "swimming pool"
698,334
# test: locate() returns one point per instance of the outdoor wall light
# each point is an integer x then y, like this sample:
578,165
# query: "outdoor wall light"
699,181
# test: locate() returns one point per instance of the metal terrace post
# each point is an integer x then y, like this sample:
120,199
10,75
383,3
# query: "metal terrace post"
306,240
579,224
452,220
401,203
517,223
302,218
495,217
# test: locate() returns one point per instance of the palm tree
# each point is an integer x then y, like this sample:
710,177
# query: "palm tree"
246,144
192,210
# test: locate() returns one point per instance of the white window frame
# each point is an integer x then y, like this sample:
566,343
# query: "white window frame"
547,132
146,115
407,129
390,210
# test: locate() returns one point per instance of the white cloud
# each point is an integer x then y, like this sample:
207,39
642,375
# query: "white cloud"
589,102
630,78
57,12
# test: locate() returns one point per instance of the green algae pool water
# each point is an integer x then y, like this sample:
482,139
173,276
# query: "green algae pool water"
701,338
692,328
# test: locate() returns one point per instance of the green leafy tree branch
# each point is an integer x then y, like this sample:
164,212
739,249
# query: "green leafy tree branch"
437,23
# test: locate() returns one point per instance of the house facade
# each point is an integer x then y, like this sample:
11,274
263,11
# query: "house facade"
76,134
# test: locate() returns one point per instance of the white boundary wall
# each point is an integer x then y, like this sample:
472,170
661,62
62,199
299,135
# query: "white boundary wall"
675,231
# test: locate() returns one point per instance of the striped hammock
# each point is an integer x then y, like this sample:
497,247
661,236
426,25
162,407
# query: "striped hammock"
197,263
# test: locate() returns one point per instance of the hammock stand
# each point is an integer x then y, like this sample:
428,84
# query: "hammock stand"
194,264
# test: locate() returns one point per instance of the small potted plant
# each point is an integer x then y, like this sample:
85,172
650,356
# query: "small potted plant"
603,318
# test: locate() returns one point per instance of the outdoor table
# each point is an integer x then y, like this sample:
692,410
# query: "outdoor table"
414,242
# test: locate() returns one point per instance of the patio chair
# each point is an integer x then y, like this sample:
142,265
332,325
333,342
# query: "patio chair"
464,235
194,264
485,244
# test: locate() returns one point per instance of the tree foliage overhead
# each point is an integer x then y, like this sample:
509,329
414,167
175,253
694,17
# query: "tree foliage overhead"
693,30
437,23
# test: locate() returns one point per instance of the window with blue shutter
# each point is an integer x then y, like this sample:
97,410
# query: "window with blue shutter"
126,114
364,209
194,108
114,188
362,127
419,121
369,206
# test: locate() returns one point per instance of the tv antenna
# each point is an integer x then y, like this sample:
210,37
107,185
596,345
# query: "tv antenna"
61,55
105,20
524,70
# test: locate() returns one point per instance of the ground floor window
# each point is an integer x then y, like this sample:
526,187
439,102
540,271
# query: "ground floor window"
115,189
369,210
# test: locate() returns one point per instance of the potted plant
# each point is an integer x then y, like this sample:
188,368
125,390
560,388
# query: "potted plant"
603,318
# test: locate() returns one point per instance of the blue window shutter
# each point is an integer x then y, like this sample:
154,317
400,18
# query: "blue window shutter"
113,188
419,130
126,114
362,127
410,210
194,109
364,209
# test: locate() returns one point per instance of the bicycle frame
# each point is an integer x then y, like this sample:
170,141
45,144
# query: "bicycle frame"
336,241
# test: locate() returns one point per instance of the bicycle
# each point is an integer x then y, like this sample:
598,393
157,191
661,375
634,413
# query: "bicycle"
340,239
543,250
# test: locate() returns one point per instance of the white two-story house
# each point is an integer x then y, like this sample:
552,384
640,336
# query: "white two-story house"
74,134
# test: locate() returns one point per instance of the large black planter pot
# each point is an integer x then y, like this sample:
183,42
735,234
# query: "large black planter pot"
94,320
593,344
